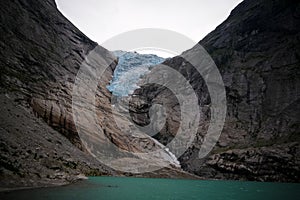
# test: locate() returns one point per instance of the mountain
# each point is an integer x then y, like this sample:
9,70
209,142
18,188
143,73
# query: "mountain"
256,50
41,54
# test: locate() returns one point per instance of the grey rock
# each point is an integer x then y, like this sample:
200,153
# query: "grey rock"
257,53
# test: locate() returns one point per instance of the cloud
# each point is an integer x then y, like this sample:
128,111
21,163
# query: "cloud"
102,19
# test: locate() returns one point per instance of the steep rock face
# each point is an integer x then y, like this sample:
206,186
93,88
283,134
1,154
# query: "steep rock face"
257,52
41,53
33,154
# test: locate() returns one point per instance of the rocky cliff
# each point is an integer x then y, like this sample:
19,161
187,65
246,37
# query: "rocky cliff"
41,53
257,53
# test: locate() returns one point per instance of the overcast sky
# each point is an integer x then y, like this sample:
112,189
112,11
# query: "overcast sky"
102,19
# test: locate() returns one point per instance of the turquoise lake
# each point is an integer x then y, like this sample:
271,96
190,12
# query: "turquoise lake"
111,188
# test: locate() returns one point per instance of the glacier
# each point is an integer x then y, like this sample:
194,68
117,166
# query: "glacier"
131,67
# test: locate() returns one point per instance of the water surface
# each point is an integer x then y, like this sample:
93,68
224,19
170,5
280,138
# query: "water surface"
161,189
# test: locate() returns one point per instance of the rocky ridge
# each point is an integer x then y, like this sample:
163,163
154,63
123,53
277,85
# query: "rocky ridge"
257,52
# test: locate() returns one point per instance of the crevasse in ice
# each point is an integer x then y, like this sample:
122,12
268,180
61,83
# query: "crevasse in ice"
130,68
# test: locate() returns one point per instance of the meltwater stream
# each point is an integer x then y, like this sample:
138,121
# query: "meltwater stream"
130,69
131,66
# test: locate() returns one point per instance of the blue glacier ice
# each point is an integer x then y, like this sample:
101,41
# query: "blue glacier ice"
130,68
